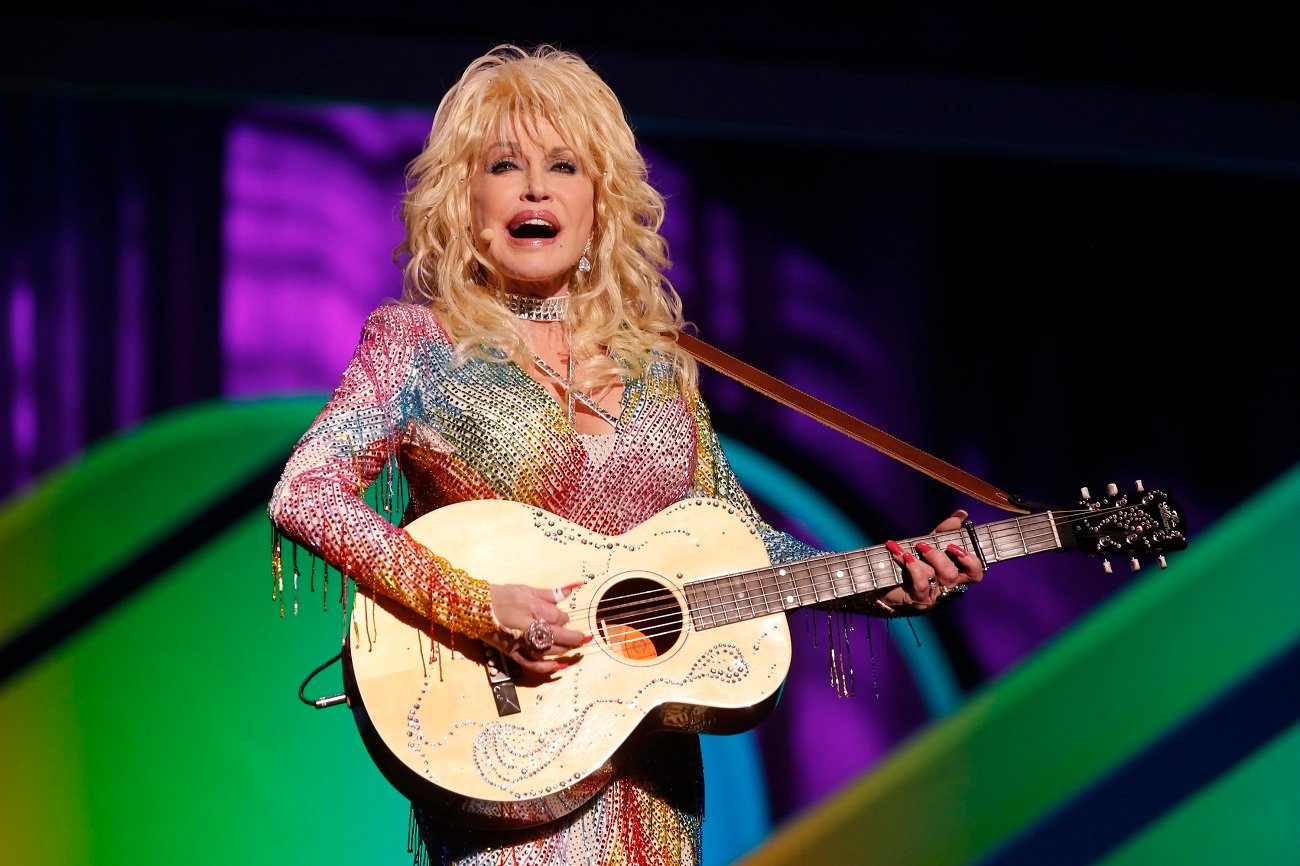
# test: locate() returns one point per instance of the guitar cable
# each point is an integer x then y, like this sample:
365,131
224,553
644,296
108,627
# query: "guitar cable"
320,703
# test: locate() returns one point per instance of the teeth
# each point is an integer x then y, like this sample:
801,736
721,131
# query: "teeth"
535,221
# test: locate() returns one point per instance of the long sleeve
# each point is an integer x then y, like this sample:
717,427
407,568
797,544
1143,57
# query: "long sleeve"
318,501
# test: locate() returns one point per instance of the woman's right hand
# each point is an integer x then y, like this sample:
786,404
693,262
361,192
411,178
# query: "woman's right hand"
525,616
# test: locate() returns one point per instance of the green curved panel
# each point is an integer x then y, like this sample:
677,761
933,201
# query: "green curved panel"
169,729
96,512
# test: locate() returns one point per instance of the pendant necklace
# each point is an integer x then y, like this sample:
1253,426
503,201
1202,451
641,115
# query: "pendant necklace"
554,309
574,393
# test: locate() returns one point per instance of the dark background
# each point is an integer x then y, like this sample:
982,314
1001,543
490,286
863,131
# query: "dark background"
1103,199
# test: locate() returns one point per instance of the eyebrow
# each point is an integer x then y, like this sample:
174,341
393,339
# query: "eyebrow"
514,146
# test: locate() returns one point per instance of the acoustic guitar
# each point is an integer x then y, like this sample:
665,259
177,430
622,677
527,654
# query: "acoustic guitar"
690,634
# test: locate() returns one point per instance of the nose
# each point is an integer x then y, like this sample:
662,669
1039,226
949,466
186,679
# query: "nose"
536,189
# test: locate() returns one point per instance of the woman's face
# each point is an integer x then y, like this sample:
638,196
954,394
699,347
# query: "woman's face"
535,203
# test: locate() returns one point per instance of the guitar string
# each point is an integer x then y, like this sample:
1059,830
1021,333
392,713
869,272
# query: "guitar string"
665,620
816,572
1040,532
810,581
1025,533
770,598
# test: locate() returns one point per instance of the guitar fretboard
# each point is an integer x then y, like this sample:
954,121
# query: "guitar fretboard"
728,598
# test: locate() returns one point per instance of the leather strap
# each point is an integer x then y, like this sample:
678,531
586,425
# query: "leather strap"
849,425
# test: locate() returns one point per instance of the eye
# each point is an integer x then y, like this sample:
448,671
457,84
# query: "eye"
565,166
502,165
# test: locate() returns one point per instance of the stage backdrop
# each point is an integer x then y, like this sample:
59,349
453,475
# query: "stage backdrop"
230,253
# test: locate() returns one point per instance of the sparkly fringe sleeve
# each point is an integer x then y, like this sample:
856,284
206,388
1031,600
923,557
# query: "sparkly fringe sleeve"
319,503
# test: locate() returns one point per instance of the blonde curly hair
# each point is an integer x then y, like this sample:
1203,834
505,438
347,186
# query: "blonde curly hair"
625,306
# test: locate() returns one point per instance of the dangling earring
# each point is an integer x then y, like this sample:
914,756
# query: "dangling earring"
584,263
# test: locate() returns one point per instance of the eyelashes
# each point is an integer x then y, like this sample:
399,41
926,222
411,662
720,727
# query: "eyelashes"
507,164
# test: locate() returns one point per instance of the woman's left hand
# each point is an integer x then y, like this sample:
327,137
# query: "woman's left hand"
930,573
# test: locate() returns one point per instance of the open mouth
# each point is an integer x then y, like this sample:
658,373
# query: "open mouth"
533,228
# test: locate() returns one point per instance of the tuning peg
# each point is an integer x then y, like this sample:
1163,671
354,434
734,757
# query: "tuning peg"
1134,565
1105,566
1084,494
1138,486
1161,560
1111,490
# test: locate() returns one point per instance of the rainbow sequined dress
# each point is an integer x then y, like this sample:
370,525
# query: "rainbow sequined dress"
481,429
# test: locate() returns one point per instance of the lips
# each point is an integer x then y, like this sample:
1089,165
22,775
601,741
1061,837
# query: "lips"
534,225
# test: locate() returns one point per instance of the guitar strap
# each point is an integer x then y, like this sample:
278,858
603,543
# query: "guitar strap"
850,426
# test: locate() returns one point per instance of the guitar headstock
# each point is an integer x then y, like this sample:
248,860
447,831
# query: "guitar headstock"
1143,522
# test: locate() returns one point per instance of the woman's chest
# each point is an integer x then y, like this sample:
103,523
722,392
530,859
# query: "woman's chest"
492,430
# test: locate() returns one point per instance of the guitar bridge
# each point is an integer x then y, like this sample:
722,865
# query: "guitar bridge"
503,685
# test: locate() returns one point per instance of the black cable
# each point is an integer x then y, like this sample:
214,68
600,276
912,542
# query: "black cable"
320,703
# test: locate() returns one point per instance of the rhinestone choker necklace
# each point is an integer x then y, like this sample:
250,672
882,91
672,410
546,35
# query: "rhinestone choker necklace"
537,309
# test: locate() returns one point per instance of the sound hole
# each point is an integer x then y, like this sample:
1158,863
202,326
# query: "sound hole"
639,619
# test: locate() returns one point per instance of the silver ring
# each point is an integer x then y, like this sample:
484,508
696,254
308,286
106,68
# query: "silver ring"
539,636
934,584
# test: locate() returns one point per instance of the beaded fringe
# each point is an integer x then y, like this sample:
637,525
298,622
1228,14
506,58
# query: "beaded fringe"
388,497
840,627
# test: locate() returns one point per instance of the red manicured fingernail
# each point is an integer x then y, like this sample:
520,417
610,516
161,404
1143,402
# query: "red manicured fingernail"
894,547
908,558
588,638
561,666
955,550
922,547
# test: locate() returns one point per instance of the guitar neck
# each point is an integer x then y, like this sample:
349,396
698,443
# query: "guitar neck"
720,600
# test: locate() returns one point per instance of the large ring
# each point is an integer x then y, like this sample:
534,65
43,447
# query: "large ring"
539,636
935,584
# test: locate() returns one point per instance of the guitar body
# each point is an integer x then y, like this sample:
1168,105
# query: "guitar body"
454,728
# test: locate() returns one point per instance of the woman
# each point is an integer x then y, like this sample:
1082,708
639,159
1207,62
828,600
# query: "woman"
533,358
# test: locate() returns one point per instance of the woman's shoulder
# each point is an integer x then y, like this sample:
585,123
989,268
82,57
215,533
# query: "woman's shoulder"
403,322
